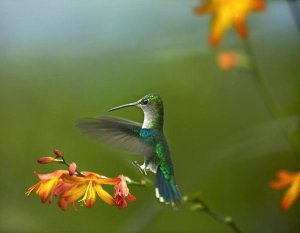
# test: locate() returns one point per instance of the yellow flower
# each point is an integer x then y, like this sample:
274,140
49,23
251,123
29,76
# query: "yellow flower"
227,13
87,187
46,187
286,178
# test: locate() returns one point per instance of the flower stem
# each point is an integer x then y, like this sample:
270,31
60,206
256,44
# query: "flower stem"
199,205
141,183
196,205
273,108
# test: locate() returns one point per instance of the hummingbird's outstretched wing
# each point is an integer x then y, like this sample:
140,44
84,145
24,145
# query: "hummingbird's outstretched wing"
118,132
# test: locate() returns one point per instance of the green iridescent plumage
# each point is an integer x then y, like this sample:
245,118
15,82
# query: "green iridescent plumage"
147,139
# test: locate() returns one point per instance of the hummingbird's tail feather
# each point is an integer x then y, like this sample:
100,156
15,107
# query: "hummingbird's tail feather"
166,189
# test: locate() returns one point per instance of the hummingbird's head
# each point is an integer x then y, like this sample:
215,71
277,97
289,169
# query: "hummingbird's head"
152,106
151,103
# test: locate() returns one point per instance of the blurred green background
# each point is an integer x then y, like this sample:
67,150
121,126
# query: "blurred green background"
63,60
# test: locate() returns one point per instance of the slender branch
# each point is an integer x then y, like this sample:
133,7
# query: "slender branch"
142,183
268,99
198,204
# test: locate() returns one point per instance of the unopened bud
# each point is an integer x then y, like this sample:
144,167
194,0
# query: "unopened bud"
228,60
57,153
72,168
45,160
228,219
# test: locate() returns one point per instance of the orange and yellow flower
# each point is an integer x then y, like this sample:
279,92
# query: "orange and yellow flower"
46,187
72,185
227,13
87,188
285,179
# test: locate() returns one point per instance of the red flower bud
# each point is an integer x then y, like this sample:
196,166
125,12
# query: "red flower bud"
57,153
45,160
122,193
72,168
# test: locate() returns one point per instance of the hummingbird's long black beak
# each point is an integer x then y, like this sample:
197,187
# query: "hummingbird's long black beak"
124,106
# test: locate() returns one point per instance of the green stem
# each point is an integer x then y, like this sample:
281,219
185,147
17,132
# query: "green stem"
141,183
199,205
273,108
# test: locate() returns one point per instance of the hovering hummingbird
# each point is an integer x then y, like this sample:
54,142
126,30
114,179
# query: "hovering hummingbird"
147,139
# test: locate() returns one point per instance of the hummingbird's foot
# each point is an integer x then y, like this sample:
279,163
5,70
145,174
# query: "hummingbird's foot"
140,167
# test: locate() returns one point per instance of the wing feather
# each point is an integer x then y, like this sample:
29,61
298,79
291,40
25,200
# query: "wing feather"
118,132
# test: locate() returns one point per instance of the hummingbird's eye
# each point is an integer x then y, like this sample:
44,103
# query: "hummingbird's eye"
144,101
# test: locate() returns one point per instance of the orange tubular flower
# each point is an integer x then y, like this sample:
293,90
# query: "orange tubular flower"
46,187
75,187
286,178
122,193
228,13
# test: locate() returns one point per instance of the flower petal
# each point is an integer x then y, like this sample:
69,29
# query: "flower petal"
291,194
110,181
61,188
131,197
89,197
74,193
121,201
46,188
284,179
63,203
105,196
48,176
241,28
259,5
206,8
227,13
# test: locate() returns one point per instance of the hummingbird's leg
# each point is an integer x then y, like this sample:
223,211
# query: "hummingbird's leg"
140,167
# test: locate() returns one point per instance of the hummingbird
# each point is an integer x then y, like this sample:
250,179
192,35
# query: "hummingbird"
147,139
